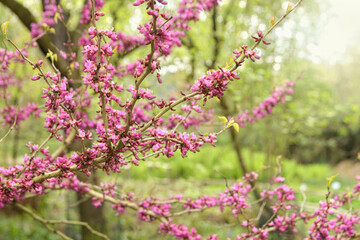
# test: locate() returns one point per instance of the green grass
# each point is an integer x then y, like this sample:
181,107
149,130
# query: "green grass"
215,163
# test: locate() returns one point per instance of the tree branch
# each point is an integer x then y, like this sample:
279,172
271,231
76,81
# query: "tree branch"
43,221
24,14
46,222
45,43
11,128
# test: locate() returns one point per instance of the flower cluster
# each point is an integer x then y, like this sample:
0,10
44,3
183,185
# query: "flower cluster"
330,224
281,200
214,83
265,108
11,115
202,116
50,9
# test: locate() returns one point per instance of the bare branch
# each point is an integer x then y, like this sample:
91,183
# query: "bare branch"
43,221
85,224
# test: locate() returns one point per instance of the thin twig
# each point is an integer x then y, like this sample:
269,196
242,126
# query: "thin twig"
260,211
46,222
226,182
97,72
30,62
266,34
11,128
162,139
139,81
166,109
34,154
128,204
85,224
303,201
179,123
46,80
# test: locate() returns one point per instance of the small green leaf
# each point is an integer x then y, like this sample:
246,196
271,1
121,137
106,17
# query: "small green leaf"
49,54
52,56
45,26
330,179
56,17
289,8
231,122
4,26
223,119
272,21
236,127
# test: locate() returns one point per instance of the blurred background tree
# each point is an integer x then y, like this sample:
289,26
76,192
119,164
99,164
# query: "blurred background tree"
319,124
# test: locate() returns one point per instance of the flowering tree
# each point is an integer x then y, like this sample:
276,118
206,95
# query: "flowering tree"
86,99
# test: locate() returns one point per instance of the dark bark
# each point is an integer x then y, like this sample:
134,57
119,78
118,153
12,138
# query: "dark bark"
216,39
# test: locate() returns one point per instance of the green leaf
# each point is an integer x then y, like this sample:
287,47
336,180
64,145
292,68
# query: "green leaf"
236,127
49,54
330,179
52,56
231,122
56,17
289,8
223,119
45,26
272,21
4,26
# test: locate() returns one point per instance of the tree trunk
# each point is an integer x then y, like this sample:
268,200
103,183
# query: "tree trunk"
94,216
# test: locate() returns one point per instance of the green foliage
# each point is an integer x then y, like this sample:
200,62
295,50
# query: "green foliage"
217,162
